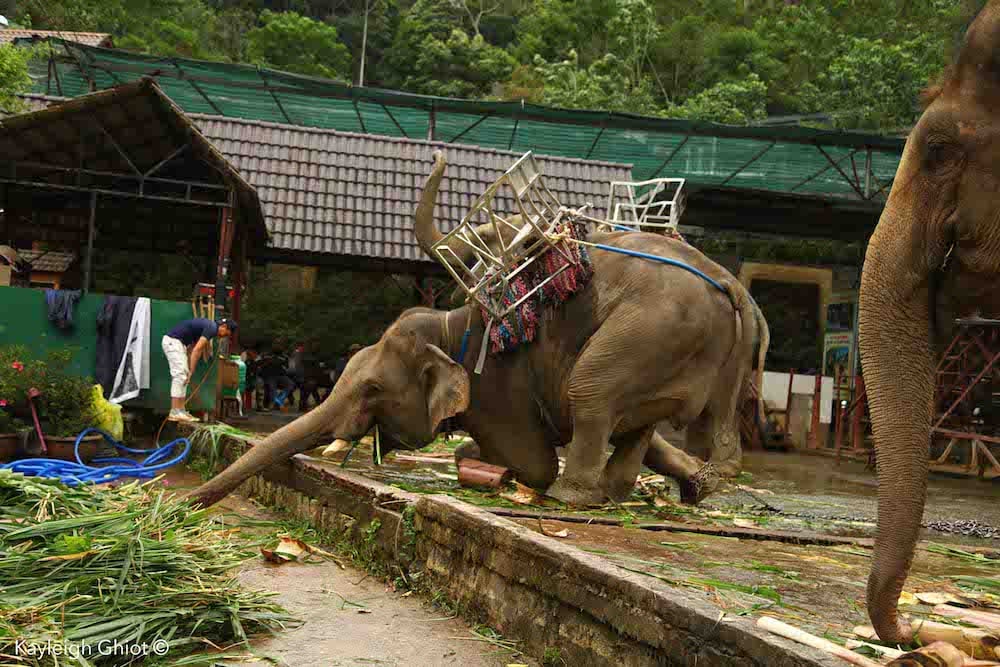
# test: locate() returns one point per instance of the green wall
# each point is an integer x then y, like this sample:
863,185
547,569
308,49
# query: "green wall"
24,321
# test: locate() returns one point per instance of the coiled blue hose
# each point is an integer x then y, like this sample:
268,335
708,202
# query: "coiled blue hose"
73,474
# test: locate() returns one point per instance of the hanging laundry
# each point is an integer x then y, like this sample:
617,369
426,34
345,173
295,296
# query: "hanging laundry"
132,375
114,324
61,304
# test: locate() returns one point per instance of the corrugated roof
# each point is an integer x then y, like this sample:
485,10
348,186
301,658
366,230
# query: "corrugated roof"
47,260
353,194
102,39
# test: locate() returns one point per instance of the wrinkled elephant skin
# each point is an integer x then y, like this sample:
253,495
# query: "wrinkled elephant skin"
934,256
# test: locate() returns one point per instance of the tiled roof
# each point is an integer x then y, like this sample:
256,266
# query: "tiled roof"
8,35
47,260
354,194
342,193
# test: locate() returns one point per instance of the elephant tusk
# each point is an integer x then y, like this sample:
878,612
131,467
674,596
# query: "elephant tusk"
336,447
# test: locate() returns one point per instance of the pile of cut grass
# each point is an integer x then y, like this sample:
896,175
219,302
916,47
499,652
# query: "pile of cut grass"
85,567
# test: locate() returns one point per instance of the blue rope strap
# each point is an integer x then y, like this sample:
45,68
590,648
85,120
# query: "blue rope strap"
465,346
664,260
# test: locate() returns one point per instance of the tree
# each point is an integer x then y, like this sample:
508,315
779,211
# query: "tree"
367,30
736,102
875,86
551,28
432,54
344,308
14,77
296,43
605,85
475,10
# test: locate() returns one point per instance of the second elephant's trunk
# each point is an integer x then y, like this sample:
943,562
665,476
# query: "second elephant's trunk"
898,365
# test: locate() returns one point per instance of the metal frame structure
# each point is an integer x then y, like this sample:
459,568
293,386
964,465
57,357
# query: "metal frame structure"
116,152
96,67
542,218
641,212
966,376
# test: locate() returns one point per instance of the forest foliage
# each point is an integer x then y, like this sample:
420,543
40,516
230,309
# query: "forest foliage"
860,63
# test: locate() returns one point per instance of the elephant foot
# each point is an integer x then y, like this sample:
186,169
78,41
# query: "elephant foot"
573,493
699,485
620,492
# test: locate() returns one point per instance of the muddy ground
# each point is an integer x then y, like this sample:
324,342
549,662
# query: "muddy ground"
818,588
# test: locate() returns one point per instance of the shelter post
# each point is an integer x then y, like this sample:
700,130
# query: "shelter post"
88,260
239,278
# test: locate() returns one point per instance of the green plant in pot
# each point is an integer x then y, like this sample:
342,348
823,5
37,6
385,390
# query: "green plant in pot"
16,377
64,400
10,433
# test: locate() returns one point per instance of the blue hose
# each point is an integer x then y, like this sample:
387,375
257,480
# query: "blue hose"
73,474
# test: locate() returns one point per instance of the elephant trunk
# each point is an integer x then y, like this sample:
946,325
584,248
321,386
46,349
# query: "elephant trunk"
298,436
428,234
898,364
424,227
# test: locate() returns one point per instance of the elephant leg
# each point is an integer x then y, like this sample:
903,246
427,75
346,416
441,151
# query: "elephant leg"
695,478
722,438
583,481
625,464
607,391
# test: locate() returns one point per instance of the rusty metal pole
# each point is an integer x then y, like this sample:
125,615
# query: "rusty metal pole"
839,415
88,262
817,400
788,405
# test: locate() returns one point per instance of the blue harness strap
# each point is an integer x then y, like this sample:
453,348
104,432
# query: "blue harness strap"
465,346
665,260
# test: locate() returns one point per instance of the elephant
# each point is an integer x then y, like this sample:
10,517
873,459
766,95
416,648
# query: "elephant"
728,463
934,256
641,342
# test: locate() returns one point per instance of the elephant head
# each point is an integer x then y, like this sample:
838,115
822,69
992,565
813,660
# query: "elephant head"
405,384
934,256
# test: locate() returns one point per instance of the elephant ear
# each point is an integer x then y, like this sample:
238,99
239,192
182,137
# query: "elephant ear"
447,387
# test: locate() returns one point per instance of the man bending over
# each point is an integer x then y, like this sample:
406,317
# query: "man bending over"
183,346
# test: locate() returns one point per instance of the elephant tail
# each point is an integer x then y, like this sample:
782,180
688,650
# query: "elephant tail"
763,343
751,326
746,319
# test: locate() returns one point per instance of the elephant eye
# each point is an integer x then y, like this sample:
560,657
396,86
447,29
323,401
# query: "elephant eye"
939,153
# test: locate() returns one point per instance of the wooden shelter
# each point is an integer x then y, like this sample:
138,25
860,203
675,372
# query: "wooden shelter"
126,169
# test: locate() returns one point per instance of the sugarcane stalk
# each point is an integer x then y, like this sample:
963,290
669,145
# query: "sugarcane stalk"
787,631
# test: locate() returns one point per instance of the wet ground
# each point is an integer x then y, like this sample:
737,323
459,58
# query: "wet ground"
348,618
818,588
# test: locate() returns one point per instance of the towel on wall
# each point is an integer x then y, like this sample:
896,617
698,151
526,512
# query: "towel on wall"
114,323
132,375
61,304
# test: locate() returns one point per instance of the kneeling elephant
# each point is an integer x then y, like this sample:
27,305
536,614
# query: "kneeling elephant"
642,342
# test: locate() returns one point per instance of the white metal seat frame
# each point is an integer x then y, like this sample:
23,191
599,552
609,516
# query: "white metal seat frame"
627,208
488,279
